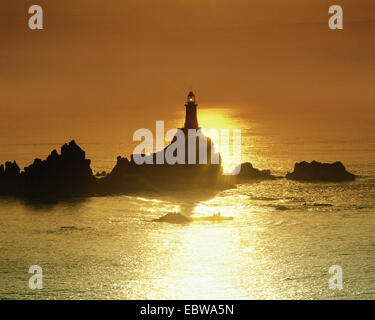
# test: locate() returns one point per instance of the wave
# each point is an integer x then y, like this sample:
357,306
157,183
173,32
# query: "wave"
322,205
264,199
281,208
66,229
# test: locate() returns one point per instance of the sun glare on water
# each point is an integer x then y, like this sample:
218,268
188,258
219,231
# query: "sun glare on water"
220,125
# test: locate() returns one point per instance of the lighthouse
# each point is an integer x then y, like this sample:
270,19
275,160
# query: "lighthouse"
191,121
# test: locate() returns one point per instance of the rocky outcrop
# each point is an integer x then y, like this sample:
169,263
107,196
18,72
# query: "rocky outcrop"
248,172
68,174
174,217
130,176
178,218
100,174
9,178
60,175
324,172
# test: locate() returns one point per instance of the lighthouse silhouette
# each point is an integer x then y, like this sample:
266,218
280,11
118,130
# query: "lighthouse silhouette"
191,120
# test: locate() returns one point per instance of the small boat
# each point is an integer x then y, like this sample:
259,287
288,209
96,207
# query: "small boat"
214,217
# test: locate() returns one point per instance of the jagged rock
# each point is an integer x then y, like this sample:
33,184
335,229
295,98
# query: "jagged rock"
9,178
72,152
11,169
101,174
128,176
69,174
249,172
58,176
316,171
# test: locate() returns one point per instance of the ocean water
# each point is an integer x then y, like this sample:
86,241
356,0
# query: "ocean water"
284,237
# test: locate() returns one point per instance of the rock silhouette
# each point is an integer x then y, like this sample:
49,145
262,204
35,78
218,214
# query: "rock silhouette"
317,171
178,218
174,217
146,177
68,174
9,178
101,174
60,175
248,172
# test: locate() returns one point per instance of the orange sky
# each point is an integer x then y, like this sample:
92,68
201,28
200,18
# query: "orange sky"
100,70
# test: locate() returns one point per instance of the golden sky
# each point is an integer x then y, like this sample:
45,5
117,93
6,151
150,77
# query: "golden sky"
101,69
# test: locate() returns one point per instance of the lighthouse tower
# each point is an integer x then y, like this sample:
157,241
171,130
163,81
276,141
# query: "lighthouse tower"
191,121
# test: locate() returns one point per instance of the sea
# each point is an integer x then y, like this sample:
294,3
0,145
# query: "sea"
288,240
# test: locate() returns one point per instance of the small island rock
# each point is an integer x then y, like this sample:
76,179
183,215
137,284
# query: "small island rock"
323,172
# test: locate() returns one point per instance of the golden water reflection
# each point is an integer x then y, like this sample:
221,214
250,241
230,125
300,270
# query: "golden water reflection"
205,260
113,249
224,129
